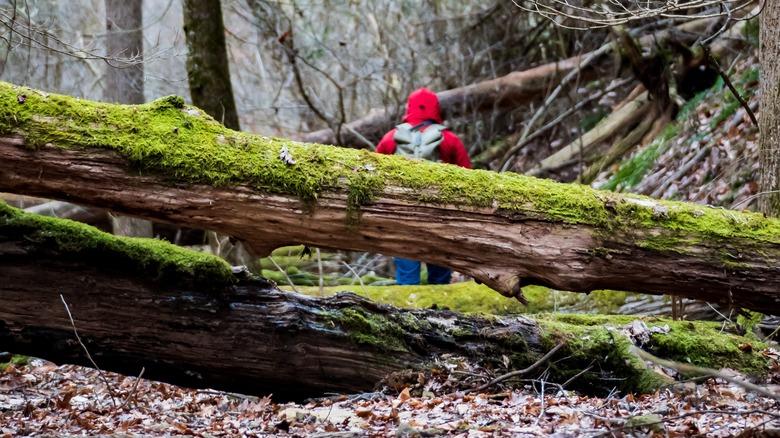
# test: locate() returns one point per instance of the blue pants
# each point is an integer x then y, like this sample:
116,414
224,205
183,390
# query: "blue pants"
408,272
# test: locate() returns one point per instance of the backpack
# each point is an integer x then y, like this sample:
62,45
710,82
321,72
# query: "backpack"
411,142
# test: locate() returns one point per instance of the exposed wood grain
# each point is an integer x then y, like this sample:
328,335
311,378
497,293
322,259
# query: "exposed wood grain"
504,251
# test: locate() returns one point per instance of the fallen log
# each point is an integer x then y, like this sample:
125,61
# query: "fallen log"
185,318
168,162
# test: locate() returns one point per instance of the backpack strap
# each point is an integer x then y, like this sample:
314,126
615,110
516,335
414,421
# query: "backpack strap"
413,143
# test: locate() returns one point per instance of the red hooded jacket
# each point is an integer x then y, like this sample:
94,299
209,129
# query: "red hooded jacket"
423,106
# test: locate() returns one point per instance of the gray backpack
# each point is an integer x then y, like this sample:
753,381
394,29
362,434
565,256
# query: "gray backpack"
413,143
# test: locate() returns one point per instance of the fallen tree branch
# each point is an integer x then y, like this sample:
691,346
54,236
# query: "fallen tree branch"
506,92
692,369
89,356
628,114
516,373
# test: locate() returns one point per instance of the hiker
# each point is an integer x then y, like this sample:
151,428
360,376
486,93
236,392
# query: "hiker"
422,136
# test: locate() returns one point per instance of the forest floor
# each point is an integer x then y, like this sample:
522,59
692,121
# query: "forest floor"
41,398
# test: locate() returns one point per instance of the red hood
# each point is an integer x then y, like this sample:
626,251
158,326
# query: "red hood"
423,105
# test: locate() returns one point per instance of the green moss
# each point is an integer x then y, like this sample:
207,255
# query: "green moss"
186,146
384,333
589,343
151,258
467,297
750,321
472,298
703,344
17,361
596,339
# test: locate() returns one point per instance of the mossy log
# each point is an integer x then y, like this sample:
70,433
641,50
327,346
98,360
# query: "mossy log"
187,319
168,162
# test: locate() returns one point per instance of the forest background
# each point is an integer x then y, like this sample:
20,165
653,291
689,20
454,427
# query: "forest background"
301,67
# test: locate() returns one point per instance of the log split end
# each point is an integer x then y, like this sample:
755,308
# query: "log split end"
508,285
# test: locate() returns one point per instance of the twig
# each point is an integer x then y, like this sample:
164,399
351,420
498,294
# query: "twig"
518,372
686,368
576,376
358,278
289,281
714,63
319,267
89,356
132,390
752,197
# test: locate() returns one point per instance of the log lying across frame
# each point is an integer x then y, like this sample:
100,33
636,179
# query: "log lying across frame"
185,318
168,162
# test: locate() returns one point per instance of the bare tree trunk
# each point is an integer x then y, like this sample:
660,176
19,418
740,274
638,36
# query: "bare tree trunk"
124,41
208,75
769,119
125,81
208,69
504,230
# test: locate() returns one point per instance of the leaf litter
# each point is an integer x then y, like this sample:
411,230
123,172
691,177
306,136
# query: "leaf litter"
43,399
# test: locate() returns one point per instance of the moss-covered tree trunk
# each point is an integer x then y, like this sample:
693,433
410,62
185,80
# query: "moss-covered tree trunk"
167,162
186,319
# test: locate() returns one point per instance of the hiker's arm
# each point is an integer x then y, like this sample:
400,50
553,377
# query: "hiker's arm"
453,151
387,144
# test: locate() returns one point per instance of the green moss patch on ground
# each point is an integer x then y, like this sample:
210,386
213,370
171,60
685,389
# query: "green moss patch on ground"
17,360
151,258
472,298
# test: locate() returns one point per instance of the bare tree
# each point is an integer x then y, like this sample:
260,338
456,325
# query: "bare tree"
769,142
584,14
125,81
207,61
124,41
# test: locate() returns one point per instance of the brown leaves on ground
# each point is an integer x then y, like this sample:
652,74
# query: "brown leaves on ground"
45,398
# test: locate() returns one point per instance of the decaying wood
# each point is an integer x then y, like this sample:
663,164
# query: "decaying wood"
507,245
201,330
247,337
613,125
252,338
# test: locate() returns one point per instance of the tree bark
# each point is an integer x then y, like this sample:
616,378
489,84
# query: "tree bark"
125,80
124,41
208,71
769,118
183,317
170,163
